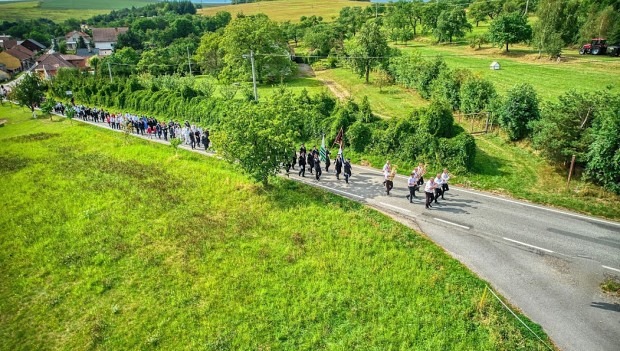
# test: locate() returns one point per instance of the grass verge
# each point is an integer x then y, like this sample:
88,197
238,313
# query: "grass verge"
116,243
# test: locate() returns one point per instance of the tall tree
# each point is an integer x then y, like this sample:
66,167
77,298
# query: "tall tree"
29,92
509,28
368,49
450,24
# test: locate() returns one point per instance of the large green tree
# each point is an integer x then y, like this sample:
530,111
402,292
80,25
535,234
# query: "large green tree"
268,42
29,91
508,29
450,24
258,138
368,49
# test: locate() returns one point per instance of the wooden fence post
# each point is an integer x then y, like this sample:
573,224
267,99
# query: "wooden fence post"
570,171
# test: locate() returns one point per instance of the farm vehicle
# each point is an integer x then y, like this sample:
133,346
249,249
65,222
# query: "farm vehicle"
598,46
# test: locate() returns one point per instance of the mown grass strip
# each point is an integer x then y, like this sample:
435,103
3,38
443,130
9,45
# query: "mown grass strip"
113,242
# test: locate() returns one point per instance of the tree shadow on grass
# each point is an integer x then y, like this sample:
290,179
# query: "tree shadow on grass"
488,165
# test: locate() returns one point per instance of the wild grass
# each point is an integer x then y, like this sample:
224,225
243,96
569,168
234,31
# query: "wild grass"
288,10
33,9
115,243
388,101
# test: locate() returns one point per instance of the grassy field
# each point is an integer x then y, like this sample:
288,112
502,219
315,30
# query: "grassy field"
60,10
109,242
288,10
549,78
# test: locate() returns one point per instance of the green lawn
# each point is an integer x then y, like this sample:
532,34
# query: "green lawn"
550,79
109,242
389,101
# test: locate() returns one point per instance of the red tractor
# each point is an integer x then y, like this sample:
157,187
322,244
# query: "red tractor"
597,46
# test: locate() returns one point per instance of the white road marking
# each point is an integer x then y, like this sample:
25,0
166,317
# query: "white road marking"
520,203
448,222
613,269
528,245
540,207
332,189
395,207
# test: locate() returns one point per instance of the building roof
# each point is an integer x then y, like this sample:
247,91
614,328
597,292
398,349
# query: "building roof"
101,35
9,61
20,52
79,33
87,52
35,43
52,62
21,49
6,42
73,57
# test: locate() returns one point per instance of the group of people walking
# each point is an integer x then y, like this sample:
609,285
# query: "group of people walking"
189,134
434,187
312,159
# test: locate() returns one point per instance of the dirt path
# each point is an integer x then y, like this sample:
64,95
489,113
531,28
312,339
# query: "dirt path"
338,90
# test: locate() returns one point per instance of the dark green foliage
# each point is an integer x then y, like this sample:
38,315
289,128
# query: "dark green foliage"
359,136
438,120
509,28
458,153
414,72
368,49
476,95
29,91
565,127
603,157
519,110
447,86
451,24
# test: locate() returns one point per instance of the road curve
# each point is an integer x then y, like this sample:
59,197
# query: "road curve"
547,262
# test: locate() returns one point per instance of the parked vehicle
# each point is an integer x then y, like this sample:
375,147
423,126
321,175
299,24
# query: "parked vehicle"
598,46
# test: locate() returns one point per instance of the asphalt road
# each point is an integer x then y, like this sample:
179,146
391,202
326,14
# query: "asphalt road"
546,262
549,263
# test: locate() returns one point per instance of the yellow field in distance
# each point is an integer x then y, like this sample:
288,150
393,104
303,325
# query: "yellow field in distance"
285,10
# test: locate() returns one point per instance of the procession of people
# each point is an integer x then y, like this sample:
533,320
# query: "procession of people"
312,161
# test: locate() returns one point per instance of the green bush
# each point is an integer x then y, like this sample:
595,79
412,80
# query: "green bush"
476,95
359,136
519,110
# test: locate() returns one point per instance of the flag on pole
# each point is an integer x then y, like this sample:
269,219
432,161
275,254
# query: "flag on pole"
339,137
322,150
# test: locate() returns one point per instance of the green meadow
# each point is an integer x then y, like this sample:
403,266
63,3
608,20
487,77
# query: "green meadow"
110,242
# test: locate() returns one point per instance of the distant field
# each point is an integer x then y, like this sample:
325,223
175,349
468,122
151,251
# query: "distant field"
60,10
549,78
285,10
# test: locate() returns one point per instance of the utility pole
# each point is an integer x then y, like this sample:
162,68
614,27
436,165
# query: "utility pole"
376,12
526,6
110,71
251,57
189,62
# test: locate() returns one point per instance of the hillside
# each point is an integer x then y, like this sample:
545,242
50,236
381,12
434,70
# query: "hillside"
288,10
115,243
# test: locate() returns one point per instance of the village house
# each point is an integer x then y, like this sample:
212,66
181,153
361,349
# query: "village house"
73,39
9,63
6,42
49,64
23,54
32,45
105,39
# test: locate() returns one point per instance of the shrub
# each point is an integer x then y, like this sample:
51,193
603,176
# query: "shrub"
476,95
519,110
359,136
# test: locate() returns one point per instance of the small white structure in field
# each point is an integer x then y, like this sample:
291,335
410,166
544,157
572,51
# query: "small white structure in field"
495,65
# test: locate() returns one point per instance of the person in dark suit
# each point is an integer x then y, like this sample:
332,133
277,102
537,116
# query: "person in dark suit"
302,164
310,162
338,166
317,167
347,170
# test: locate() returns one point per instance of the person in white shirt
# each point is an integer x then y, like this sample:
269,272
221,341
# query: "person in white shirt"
412,183
438,188
420,171
445,176
428,190
387,169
